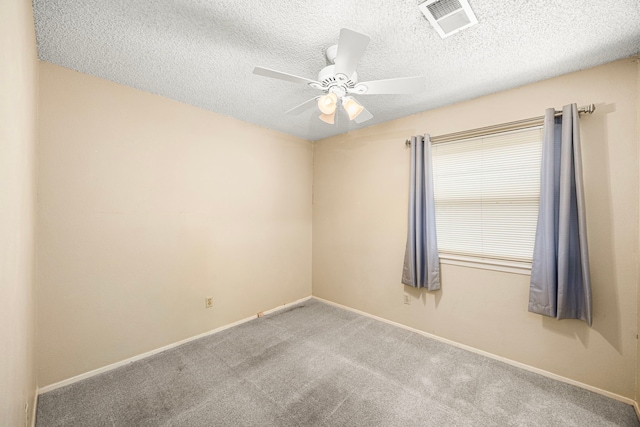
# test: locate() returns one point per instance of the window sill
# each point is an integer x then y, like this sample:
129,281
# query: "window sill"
514,267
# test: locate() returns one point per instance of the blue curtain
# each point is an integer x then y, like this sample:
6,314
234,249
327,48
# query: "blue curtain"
421,262
560,281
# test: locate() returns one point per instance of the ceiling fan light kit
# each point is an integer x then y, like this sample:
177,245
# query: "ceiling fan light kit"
339,81
352,107
327,103
328,118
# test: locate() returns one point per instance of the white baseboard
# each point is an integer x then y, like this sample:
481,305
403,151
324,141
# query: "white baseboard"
635,406
493,356
94,372
34,405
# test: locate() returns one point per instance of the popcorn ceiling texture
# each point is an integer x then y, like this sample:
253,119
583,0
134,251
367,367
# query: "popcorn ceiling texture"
202,52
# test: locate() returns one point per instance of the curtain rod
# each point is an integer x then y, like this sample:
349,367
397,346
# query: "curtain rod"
504,127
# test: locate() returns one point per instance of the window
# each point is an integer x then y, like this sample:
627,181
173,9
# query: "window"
486,196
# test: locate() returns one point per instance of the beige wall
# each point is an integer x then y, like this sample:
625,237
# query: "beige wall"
638,294
147,206
145,211
359,230
18,86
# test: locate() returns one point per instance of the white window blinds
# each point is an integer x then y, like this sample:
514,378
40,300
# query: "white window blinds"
487,193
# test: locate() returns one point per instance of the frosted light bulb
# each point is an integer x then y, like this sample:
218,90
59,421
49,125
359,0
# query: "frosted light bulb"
327,103
328,118
352,107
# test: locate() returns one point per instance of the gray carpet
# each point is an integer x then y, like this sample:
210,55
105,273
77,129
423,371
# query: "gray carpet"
317,365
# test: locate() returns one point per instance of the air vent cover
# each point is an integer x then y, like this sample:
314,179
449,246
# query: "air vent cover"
448,16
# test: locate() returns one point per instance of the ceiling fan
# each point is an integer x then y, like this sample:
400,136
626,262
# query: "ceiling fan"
339,81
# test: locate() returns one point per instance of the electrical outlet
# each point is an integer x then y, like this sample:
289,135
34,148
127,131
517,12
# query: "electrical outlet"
406,299
208,302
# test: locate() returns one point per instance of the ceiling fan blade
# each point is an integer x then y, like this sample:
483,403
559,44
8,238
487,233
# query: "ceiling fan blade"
267,72
402,85
363,116
306,105
351,47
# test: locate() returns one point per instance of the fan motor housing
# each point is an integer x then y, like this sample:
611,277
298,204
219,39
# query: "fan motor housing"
328,78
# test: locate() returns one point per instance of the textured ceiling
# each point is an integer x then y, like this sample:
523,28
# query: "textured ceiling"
202,52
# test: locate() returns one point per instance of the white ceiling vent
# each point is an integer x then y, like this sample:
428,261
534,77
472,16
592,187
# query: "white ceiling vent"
448,16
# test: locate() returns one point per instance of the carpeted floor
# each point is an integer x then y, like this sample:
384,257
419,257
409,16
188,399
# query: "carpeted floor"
318,365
